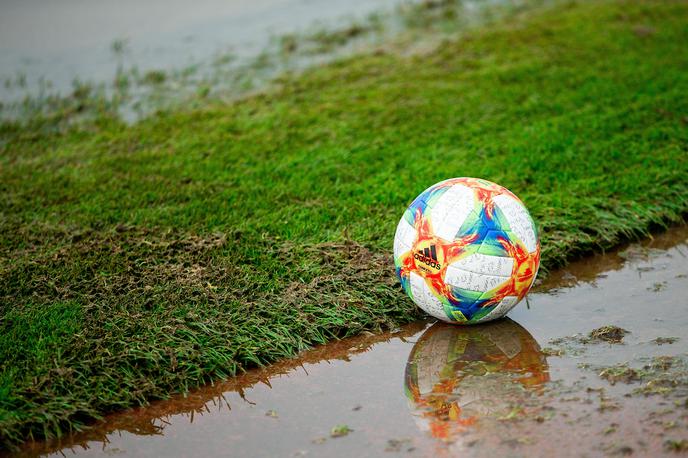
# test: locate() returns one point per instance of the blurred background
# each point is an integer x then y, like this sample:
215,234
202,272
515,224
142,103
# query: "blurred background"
68,39
135,57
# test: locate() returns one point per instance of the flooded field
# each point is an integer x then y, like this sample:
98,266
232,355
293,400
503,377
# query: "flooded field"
133,58
69,39
595,364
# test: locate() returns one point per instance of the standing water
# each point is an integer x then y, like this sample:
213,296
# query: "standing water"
595,364
79,39
80,59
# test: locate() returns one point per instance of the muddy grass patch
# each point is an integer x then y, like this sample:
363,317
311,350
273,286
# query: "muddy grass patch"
611,334
621,373
665,340
674,445
661,375
575,345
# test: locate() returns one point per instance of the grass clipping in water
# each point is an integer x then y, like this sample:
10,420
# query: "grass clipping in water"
136,261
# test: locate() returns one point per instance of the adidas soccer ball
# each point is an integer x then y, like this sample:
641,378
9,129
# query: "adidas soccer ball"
466,251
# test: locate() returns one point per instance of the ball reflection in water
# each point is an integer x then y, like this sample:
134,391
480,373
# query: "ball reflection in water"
458,377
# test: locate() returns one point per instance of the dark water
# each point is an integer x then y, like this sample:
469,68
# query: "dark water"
507,388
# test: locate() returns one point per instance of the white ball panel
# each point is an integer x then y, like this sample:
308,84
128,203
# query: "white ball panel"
448,214
459,278
434,357
507,342
404,237
424,297
501,309
485,264
519,220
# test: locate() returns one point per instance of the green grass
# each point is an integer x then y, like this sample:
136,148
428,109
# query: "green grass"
136,261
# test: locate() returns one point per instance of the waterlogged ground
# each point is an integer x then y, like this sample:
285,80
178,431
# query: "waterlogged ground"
561,377
67,39
71,59
134,57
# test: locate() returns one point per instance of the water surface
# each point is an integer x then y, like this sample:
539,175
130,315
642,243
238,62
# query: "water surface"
66,39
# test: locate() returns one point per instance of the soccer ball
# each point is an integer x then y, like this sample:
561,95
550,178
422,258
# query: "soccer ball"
466,250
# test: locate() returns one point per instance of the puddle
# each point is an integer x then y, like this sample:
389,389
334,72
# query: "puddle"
535,384
69,39
72,59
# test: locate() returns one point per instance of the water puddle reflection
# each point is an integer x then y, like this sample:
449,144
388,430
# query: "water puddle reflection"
461,378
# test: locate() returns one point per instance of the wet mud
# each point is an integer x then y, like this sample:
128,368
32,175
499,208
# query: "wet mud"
594,364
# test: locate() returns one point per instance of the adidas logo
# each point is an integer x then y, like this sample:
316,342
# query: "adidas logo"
428,256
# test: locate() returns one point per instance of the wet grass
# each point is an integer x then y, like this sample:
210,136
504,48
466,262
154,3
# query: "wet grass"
610,334
136,261
672,445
